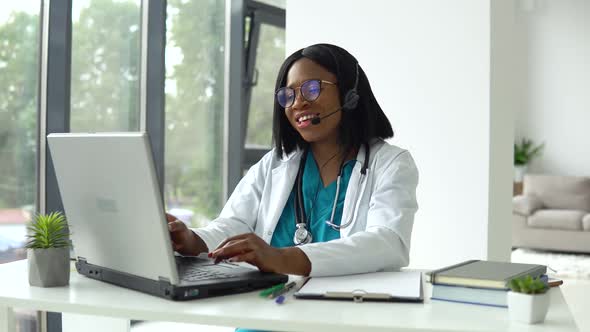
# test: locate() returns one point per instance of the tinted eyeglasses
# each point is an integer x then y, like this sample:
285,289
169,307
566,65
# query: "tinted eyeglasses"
310,90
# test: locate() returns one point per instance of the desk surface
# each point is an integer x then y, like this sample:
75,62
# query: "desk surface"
86,296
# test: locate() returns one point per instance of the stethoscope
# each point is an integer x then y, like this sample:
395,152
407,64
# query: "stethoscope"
302,233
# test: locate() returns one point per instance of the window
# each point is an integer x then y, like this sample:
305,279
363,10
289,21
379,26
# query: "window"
105,65
19,69
194,109
264,34
19,36
270,53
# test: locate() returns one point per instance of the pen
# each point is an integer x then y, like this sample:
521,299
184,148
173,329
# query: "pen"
270,290
280,299
282,290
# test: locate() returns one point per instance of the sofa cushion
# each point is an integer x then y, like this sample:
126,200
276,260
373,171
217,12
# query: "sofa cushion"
586,222
526,205
557,219
560,192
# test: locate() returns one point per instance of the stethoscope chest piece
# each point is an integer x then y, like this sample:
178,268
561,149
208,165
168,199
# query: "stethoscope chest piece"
302,235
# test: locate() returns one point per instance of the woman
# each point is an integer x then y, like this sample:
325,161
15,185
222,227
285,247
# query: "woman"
316,205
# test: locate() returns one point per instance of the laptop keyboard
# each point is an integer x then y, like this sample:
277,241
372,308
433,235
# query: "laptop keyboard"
197,269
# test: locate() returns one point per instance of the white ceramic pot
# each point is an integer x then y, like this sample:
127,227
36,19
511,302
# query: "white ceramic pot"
519,172
528,308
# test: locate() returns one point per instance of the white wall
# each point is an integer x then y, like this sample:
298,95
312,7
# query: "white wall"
502,109
428,62
554,48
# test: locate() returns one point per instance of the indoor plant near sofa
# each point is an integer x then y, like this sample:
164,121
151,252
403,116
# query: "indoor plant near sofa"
528,300
524,152
48,250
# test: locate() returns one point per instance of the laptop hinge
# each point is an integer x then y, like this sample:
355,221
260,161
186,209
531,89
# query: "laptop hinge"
82,260
164,280
165,287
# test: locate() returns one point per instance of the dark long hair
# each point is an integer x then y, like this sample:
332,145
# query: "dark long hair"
358,125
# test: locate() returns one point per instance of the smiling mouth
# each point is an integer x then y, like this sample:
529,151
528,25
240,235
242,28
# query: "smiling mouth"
306,118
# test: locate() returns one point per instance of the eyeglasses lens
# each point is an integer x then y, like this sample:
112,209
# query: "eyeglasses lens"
309,89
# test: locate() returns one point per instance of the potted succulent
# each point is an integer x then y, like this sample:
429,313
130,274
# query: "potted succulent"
524,152
528,300
48,250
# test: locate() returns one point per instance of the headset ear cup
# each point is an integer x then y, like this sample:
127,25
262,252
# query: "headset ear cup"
350,100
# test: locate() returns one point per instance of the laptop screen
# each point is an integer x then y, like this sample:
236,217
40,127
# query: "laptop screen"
112,202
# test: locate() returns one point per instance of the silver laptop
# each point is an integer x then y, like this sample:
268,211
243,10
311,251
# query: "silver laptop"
113,204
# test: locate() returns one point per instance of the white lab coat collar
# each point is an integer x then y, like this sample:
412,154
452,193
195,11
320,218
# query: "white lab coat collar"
285,175
353,196
283,178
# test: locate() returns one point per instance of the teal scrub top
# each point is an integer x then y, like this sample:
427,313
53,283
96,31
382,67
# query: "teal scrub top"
318,201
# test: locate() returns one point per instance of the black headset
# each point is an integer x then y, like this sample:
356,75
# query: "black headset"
351,99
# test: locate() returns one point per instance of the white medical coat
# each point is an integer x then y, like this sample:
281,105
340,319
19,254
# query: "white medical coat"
379,236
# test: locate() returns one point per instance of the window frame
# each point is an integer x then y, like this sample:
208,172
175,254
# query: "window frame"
259,13
53,110
241,77
54,99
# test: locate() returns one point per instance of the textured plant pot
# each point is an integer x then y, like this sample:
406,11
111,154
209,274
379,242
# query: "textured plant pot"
519,172
49,267
527,308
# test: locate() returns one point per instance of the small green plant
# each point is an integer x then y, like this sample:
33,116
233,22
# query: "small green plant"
48,231
524,151
528,285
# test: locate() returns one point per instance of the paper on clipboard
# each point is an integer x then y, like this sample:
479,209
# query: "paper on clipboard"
390,286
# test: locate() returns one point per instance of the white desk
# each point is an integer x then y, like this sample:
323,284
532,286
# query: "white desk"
90,297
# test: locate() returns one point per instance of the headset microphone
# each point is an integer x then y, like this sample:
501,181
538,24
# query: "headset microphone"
351,103
317,119
350,100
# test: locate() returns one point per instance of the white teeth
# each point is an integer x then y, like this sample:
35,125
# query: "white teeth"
306,117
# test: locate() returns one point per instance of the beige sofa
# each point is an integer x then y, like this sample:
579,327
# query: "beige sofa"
552,214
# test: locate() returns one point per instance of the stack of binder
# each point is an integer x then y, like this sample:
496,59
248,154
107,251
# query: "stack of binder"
479,282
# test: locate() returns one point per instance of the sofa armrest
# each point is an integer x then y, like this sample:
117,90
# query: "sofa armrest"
525,205
586,222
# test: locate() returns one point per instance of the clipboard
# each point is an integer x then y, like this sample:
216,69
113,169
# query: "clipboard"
379,286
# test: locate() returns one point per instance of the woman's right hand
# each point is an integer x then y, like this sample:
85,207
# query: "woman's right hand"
184,241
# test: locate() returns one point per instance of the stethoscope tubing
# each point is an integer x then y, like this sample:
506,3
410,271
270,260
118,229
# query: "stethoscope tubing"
300,213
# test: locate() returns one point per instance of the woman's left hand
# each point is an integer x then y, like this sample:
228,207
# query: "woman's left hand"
252,249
